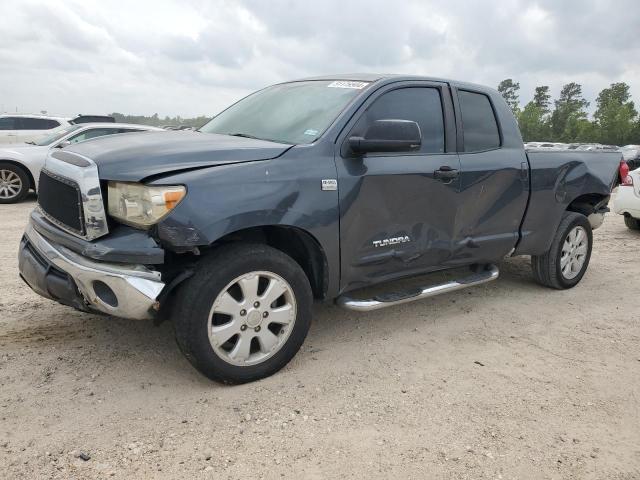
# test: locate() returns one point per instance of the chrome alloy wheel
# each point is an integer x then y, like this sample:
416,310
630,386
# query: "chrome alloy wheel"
252,318
574,252
10,184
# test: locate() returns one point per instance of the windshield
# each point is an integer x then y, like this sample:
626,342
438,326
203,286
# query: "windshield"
293,113
54,137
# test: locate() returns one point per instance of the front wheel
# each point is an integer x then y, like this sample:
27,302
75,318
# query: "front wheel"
14,183
631,223
244,314
566,261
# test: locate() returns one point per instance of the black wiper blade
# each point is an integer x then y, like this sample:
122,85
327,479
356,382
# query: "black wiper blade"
31,142
243,135
246,135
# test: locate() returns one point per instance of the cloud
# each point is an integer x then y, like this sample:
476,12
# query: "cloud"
191,57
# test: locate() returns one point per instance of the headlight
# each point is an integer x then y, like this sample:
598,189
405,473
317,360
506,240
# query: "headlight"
142,205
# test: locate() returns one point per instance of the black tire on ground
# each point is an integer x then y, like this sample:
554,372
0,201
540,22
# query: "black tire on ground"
195,298
7,169
631,223
547,269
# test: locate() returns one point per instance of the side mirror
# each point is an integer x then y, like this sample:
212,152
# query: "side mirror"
388,136
66,143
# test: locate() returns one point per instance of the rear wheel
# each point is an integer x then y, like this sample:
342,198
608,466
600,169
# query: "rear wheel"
631,223
244,314
14,183
566,261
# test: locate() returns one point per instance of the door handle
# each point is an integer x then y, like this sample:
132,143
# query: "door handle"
445,173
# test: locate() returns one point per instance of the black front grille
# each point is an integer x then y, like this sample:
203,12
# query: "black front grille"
61,201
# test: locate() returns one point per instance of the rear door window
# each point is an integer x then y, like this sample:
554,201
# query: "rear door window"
27,123
129,130
93,133
7,123
479,125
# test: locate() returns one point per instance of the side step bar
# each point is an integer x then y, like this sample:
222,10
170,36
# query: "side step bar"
482,274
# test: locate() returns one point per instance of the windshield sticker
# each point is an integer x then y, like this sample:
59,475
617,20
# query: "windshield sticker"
311,131
348,84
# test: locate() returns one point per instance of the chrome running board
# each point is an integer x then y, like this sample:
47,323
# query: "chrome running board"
482,274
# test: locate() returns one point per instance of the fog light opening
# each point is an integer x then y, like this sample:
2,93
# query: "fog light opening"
105,294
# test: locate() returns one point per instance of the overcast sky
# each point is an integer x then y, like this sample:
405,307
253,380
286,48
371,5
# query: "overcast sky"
195,57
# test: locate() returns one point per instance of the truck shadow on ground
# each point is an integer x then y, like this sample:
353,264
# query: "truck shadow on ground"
144,350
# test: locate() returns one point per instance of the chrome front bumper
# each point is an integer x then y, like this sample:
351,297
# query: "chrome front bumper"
55,272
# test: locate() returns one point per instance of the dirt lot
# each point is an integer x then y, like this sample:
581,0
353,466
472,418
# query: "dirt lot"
506,380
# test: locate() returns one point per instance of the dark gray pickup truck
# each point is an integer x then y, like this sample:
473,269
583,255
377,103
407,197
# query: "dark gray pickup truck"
306,190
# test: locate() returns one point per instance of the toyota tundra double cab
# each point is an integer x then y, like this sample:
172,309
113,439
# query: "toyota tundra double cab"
310,189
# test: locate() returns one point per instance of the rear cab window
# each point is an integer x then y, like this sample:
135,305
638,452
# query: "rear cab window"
479,126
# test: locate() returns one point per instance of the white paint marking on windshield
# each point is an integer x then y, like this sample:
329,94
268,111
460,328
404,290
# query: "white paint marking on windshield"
348,84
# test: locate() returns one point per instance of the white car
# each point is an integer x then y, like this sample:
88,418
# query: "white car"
627,201
23,128
20,163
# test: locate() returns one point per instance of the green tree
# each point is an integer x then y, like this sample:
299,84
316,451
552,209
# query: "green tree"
542,99
615,115
532,124
635,133
580,130
534,120
569,108
510,91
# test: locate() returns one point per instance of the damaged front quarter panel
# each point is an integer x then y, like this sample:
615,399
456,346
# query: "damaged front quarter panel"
181,237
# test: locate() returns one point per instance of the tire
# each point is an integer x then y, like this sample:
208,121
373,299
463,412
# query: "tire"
631,223
548,268
14,183
218,285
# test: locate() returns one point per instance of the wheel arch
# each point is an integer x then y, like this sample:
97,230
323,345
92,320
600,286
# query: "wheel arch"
296,242
591,205
587,203
541,230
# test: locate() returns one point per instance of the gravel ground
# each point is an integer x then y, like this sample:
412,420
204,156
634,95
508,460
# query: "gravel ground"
505,380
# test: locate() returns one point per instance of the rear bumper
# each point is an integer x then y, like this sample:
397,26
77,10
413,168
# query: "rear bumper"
627,201
55,272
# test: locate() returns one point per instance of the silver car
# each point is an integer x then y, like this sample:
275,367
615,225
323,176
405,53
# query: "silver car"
20,163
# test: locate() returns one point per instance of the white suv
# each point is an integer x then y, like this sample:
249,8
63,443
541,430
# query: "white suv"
20,163
627,201
23,128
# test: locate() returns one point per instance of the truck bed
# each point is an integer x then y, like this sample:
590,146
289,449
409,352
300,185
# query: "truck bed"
557,179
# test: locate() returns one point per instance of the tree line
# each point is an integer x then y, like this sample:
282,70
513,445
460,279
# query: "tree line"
565,119
615,120
157,121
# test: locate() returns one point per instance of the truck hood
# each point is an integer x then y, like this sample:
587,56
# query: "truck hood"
136,156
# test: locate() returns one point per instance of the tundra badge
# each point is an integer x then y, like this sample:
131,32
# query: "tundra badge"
391,241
